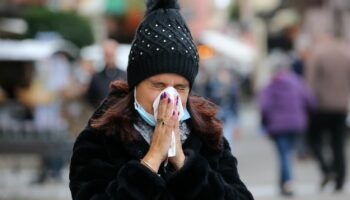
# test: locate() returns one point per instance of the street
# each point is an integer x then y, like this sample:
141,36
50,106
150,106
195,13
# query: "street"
256,164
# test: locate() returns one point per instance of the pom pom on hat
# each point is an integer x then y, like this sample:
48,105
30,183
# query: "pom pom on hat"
153,5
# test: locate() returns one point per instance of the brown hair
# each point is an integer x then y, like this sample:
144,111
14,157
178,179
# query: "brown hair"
118,113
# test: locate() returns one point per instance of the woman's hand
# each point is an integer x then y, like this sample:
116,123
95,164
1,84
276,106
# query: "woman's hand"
161,139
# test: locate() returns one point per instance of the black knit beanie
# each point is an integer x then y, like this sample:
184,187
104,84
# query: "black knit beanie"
162,44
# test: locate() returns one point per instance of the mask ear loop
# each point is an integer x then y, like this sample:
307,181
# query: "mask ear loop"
135,99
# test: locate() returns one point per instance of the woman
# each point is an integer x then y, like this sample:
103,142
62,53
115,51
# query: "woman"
123,153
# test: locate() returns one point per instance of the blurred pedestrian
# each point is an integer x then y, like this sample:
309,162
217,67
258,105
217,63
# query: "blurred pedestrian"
124,152
328,73
223,91
284,104
200,85
99,85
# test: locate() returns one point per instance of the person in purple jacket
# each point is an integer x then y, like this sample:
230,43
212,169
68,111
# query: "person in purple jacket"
284,104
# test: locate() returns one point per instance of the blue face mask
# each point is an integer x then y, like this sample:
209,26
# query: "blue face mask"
144,115
149,119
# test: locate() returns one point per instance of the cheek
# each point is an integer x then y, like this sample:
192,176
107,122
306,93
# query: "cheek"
146,98
151,96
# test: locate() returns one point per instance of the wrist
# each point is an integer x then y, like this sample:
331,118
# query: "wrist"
151,162
148,166
180,162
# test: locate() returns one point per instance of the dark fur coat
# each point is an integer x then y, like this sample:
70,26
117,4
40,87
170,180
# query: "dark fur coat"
103,167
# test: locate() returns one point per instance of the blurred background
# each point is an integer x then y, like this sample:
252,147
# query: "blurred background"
57,58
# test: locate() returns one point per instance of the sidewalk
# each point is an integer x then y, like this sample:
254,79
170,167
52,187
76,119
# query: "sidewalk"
257,167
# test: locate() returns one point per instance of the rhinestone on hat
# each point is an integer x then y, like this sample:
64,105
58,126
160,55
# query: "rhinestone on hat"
172,48
170,36
164,40
156,25
157,49
156,36
148,45
169,25
141,53
163,30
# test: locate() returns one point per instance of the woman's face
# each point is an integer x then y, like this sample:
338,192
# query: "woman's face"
148,90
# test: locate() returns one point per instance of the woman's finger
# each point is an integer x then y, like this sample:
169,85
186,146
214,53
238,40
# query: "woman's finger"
162,107
171,123
169,108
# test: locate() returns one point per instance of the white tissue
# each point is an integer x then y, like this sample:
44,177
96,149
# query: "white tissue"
172,94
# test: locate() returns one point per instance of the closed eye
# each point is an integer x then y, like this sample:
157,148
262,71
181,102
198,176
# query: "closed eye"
158,85
181,87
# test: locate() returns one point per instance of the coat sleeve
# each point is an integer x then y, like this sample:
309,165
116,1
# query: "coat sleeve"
197,179
93,176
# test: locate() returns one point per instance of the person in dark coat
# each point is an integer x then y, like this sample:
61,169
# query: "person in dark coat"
123,153
328,74
99,86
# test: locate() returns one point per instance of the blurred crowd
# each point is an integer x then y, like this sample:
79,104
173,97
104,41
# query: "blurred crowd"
304,106
301,87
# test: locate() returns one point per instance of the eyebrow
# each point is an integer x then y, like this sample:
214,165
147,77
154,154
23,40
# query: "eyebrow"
181,85
163,83
156,82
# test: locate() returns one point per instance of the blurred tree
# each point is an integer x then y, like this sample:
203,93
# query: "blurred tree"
69,25
116,7
123,18
234,12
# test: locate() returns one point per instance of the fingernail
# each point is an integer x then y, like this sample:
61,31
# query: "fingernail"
177,101
173,113
169,100
162,96
178,113
165,95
